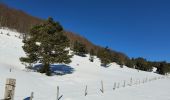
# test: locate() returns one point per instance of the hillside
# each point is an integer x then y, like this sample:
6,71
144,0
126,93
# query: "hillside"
72,85
22,22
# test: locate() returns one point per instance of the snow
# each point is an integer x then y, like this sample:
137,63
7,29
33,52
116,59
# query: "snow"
38,43
72,85
10,49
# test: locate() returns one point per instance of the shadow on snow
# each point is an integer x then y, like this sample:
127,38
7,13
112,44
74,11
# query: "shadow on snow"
56,69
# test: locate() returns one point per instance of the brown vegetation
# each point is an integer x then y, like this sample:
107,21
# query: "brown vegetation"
16,19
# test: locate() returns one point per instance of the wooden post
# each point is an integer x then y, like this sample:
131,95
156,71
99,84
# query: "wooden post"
146,79
143,80
118,85
86,91
136,82
131,81
32,95
124,83
58,92
114,86
149,79
10,89
102,88
10,70
58,97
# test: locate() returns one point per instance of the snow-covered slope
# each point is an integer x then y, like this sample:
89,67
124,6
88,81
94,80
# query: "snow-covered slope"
10,48
72,86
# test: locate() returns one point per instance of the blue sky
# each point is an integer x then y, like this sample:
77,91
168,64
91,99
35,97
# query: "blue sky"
139,28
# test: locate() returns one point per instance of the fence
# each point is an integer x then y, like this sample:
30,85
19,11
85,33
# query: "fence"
10,88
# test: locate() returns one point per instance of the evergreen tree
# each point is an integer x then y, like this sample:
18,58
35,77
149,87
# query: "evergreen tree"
142,64
46,43
91,55
79,48
119,58
105,56
163,68
130,63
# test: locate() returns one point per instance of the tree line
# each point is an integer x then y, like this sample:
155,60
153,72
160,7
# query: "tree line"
53,31
16,19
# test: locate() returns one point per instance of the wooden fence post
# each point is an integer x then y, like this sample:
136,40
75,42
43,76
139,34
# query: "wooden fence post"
131,81
102,88
32,95
143,80
124,83
118,85
86,91
149,79
114,86
10,89
58,91
136,82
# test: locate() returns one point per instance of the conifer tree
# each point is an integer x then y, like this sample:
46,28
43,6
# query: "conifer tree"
105,56
130,63
91,55
163,68
142,64
46,43
79,48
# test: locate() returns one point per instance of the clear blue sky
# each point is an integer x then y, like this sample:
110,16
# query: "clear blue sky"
139,28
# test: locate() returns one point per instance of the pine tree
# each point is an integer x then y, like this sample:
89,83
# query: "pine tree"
79,49
46,43
142,64
163,68
91,55
105,56
130,63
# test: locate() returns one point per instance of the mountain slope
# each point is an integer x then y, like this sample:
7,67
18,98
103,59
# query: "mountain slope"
22,22
10,48
72,86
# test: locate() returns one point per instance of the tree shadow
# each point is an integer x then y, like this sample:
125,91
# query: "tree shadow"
27,98
56,69
105,65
